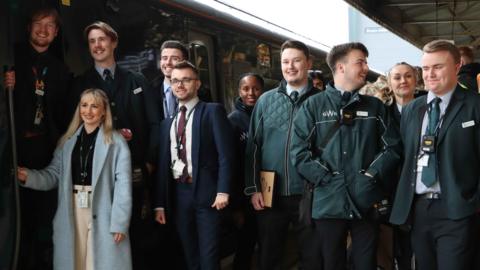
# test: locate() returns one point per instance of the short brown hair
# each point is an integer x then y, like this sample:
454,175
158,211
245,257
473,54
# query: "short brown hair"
466,52
106,28
338,53
186,64
295,44
175,44
442,45
43,13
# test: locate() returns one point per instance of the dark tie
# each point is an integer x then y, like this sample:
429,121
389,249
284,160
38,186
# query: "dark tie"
108,81
294,96
182,132
346,97
429,173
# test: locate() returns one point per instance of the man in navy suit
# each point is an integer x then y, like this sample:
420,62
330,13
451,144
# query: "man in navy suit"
194,170
438,192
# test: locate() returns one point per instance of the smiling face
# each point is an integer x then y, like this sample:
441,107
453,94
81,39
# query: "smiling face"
42,32
402,80
249,90
352,70
168,59
101,48
439,72
185,84
295,66
92,112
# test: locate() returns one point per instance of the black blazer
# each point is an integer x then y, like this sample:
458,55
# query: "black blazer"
458,156
133,107
212,157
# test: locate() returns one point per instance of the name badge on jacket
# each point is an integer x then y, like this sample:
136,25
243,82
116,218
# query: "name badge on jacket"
138,90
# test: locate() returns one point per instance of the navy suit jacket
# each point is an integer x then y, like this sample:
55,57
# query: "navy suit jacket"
212,157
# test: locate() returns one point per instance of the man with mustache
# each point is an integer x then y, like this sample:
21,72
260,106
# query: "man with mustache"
40,81
344,148
135,117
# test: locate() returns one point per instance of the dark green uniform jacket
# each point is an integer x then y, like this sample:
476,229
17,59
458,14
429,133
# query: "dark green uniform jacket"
269,140
458,156
368,144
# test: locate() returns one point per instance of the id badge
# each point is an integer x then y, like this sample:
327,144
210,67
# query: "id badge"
428,144
38,116
82,199
177,168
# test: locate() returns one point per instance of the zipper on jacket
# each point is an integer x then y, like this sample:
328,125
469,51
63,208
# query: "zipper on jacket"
287,148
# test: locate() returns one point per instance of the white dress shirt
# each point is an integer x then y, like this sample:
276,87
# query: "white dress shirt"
188,133
420,188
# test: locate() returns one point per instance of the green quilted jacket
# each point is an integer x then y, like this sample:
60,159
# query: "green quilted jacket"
269,141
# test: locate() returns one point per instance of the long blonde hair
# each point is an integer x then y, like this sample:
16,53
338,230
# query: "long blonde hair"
100,98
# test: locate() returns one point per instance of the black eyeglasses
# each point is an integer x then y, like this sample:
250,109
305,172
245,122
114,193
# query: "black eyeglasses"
183,81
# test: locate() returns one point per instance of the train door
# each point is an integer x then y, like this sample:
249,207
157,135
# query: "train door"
202,55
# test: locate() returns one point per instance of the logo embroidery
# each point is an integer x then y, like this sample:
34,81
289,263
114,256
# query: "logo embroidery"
329,113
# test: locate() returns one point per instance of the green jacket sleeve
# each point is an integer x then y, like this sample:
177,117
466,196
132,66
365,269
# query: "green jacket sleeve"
253,153
389,158
303,148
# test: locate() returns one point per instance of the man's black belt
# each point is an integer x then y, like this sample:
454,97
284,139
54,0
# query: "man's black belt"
429,196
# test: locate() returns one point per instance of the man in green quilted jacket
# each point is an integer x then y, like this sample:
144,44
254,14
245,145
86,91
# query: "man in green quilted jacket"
268,150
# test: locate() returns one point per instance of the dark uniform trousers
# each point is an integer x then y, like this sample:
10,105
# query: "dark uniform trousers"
273,227
440,243
332,234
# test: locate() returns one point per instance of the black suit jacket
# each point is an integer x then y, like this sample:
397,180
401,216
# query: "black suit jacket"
133,107
458,156
212,157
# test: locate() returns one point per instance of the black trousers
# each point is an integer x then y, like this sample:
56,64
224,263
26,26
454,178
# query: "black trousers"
37,208
273,226
440,243
331,235
246,240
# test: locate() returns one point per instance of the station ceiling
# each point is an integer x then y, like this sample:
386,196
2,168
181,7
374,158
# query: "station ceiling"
420,21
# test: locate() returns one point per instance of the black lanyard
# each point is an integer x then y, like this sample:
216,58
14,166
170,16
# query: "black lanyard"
84,164
177,137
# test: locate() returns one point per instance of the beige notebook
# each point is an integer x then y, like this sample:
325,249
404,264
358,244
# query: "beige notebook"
267,180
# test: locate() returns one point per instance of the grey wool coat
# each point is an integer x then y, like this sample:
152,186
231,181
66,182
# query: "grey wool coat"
111,202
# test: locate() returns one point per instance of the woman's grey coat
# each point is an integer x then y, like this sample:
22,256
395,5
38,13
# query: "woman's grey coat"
111,202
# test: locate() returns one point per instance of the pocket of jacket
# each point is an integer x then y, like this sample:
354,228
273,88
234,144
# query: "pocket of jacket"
365,192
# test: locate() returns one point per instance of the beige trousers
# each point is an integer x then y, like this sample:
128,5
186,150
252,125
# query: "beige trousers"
83,229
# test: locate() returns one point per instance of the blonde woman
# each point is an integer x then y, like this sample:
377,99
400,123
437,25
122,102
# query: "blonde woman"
91,168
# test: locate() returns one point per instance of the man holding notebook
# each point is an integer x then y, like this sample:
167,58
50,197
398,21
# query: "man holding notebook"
268,151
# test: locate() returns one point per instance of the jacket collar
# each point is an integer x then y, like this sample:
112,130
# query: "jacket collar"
240,106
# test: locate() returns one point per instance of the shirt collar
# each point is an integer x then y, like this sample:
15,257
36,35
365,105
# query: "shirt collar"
445,98
300,90
165,86
100,70
189,104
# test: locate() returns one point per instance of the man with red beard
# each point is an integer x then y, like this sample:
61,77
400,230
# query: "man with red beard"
40,82
345,148
135,117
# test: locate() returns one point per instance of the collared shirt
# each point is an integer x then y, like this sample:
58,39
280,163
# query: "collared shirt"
341,90
399,107
188,133
420,188
300,90
167,100
100,71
